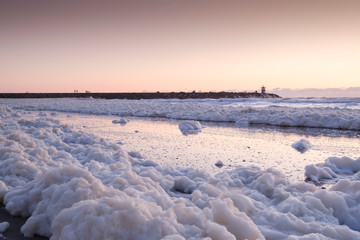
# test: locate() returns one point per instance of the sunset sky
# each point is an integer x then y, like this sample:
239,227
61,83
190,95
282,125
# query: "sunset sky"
173,45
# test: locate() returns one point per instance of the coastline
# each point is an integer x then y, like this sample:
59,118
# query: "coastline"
144,95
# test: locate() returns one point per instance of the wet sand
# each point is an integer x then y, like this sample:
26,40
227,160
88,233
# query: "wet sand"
13,232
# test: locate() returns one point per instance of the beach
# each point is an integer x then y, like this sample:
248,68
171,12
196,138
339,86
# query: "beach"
181,169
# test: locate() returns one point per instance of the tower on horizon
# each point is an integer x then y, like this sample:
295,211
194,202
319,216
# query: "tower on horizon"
263,89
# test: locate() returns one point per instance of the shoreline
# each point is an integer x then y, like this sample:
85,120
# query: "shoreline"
143,95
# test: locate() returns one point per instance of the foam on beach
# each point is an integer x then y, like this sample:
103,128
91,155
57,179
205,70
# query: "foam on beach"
190,127
4,226
73,184
332,168
121,121
302,145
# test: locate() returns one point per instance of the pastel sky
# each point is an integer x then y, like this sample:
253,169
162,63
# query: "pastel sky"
173,45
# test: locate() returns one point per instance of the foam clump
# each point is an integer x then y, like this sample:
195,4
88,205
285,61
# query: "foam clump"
114,218
190,127
75,185
135,154
184,185
6,112
333,167
317,173
121,121
3,190
4,226
302,145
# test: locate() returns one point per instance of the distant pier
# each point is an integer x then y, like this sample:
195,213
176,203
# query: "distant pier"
143,95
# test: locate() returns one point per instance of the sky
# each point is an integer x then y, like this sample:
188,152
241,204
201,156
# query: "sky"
162,45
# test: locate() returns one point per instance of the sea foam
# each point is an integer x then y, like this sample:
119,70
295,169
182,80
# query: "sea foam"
73,184
314,113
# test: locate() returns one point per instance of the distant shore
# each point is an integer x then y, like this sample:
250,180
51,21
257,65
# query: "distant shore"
144,95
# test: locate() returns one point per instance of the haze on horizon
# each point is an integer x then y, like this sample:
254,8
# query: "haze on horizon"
204,45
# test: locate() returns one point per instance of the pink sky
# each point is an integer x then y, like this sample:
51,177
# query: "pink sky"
134,46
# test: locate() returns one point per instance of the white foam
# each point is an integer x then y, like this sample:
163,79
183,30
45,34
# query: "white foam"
190,127
302,145
72,184
121,121
135,154
3,190
320,113
4,226
332,168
